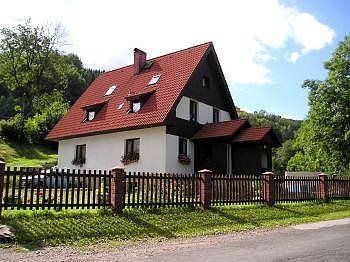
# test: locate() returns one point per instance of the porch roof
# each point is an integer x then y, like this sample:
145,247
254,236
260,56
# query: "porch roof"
221,129
238,131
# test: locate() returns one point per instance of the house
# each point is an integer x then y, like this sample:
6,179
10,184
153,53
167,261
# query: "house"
173,114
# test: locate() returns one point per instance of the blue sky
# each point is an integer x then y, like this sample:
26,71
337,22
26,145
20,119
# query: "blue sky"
285,96
266,47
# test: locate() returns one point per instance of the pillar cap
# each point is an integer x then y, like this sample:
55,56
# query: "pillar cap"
117,167
205,171
268,173
2,162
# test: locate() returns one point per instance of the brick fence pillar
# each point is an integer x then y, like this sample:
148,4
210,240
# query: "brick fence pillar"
2,173
323,187
117,190
205,188
269,188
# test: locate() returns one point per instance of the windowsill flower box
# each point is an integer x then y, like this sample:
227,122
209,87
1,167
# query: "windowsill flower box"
184,159
130,158
78,162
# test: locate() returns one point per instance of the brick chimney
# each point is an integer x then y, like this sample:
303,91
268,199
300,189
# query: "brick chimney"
139,60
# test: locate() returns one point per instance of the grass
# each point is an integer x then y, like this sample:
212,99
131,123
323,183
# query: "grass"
24,155
36,229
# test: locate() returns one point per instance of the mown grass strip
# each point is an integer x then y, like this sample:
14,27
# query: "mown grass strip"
80,227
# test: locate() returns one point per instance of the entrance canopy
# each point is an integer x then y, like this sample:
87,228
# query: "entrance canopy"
237,131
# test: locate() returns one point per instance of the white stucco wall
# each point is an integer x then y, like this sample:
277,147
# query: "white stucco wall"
172,148
205,112
104,151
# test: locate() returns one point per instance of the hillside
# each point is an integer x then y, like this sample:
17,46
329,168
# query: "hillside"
27,155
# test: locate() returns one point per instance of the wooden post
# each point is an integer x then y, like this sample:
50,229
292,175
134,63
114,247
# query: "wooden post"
117,190
2,174
323,187
269,188
205,188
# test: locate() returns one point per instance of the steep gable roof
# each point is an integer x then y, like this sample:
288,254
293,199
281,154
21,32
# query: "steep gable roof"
175,69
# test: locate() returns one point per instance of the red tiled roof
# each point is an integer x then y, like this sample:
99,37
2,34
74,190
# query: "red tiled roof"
256,134
175,69
221,129
240,130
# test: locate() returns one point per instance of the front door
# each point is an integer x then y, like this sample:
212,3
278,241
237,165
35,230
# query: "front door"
203,156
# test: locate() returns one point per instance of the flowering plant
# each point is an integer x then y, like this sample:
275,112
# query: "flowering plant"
184,159
130,158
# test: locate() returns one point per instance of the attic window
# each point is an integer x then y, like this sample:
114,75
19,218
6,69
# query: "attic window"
205,82
92,111
110,90
90,115
136,105
154,79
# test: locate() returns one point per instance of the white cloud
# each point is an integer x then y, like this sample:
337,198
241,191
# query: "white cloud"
293,57
103,33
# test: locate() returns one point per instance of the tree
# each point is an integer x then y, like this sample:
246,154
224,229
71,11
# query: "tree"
30,62
323,141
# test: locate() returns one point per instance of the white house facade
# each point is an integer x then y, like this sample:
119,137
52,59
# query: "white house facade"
170,114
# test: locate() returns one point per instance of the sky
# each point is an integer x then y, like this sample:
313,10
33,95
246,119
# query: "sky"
267,48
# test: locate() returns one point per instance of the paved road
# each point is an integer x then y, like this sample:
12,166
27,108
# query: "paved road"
321,241
316,242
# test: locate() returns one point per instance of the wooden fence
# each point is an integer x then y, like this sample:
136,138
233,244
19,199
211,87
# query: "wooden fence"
237,189
43,189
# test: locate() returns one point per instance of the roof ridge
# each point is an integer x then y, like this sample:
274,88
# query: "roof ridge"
171,53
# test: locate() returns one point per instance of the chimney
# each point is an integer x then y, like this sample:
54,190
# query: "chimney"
139,60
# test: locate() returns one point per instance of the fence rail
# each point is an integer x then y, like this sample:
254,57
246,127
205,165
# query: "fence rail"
42,189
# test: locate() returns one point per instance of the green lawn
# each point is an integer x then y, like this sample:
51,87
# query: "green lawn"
81,227
24,155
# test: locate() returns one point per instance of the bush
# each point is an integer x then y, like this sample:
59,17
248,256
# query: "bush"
13,128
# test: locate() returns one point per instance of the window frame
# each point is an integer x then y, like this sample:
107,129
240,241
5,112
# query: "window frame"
80,153
216,115
193,115
133,146
183,144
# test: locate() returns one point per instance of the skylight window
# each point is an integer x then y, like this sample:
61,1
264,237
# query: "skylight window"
154,80
110,90
120,106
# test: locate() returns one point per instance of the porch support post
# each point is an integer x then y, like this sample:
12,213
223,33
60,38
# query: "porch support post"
2,174
117,190
269,188
205,188
323,187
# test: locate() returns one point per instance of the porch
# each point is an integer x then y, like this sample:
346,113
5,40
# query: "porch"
234,147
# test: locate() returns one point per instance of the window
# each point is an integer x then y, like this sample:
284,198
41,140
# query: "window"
193,111
154,80
92,111
182,146
80,154
216,115
205,82
90,115
110,90
132,146
135,106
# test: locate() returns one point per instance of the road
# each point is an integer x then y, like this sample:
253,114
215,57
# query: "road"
321,241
